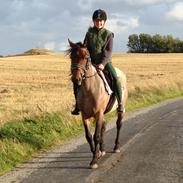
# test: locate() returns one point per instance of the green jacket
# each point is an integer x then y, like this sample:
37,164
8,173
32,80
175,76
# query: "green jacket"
99,44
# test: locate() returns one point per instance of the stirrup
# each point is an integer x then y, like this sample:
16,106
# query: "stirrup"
76,111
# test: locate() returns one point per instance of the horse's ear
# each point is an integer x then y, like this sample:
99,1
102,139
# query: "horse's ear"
85,43
72,45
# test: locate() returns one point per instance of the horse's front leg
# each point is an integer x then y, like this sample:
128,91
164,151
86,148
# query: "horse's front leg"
102,146
118,125
88,135
97,140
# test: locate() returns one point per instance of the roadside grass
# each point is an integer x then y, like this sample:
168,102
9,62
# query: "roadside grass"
20,140
141,98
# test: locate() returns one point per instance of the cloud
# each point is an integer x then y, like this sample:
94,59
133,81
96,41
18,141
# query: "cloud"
148,2
63,46
176,12
84,4
40,4
83,22
137,2
55,45
17,5
48,23
119,23
50,45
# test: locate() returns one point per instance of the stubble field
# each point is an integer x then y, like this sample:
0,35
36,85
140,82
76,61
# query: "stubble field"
33,85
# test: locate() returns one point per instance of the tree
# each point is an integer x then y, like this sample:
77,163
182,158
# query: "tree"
169,42
133,43
157,44
178,46
145,43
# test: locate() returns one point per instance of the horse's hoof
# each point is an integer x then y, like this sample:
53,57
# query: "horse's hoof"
94,166
99,154
103,153
116,150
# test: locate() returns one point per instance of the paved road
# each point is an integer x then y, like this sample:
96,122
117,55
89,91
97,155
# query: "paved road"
151,152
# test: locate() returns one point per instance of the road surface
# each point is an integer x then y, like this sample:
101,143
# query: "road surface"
151,152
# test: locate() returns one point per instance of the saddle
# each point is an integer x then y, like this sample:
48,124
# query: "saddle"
110,82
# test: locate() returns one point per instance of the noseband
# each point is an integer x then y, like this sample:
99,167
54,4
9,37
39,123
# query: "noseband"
83,68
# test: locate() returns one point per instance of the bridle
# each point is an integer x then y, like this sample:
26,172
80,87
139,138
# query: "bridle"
83,68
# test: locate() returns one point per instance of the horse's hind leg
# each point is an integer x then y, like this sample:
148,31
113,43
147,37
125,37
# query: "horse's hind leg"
118,124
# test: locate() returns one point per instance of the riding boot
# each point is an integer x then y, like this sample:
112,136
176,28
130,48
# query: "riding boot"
117,86
119,96
76,110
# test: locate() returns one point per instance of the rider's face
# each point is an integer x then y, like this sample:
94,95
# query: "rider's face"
99,24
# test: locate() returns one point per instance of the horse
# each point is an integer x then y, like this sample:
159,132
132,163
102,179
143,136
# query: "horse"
93,99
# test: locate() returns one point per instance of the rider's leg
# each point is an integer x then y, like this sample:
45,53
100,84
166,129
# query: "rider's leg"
117,85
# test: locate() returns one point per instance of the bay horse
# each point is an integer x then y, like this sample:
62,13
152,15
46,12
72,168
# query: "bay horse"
92,99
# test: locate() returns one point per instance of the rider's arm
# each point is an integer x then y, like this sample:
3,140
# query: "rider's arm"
107,50
85,42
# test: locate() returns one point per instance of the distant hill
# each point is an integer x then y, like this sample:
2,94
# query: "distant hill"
35,51
39,51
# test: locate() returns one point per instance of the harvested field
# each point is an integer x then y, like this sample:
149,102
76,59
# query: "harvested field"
32,85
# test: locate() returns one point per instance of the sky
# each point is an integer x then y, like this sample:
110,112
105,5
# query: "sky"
27,24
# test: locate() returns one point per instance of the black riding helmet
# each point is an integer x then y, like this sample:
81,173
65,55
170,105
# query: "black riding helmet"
99,15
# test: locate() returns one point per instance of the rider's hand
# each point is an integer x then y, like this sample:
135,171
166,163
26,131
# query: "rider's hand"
100,66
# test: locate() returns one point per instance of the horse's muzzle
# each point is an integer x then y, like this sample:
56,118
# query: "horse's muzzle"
77,81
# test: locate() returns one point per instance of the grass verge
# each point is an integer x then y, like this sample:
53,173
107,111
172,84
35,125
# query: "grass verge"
20,140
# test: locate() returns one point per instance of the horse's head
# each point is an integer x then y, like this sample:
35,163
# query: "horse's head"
80,58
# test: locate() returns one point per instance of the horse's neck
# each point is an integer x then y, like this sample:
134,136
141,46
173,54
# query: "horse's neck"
93,81
92,91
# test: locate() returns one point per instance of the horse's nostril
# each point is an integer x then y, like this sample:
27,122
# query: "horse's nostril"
76,80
